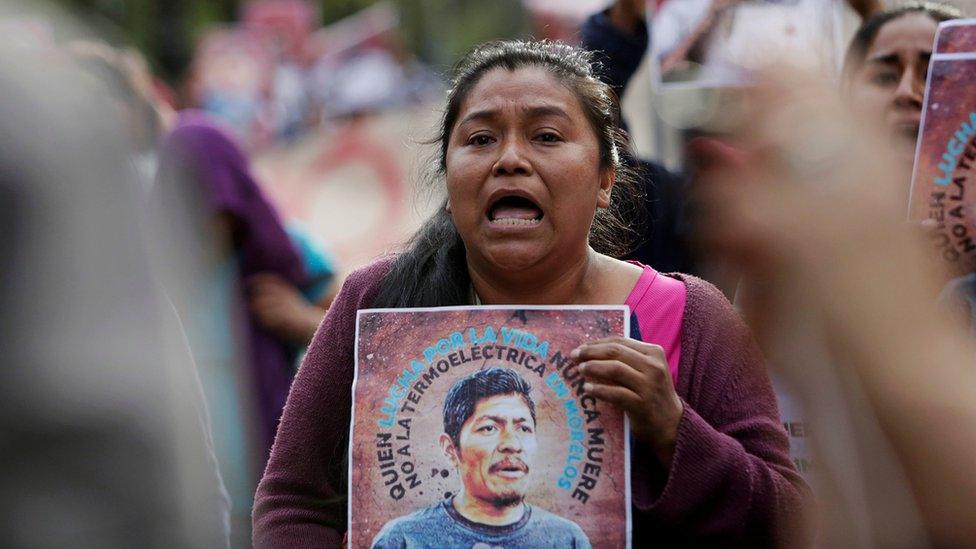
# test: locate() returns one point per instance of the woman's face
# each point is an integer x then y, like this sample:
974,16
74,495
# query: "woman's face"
890,84
523,171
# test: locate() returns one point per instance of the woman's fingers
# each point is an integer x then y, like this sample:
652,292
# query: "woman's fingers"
621,397
614,372
643,357
634,377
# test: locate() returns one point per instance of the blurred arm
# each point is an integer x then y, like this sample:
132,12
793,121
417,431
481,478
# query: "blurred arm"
826,235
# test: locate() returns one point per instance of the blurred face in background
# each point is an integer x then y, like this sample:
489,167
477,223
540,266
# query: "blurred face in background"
890,84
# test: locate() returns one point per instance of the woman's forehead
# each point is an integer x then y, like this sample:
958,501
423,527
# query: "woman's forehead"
915,31
524,89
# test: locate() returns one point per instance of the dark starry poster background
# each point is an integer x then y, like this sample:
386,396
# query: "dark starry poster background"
959,37
388,343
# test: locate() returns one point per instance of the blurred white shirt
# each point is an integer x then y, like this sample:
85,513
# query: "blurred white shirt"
752,34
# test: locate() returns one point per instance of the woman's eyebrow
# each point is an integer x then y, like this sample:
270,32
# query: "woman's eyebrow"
532,111
486,114
885,59
546,110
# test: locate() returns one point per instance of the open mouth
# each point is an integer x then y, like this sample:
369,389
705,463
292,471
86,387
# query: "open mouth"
511,210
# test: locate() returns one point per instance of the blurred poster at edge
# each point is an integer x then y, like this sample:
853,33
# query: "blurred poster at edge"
944,180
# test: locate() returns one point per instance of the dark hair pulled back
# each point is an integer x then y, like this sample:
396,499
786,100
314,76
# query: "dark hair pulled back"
864,37
432,270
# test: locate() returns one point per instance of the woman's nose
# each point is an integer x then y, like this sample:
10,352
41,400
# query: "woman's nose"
911,88
512,159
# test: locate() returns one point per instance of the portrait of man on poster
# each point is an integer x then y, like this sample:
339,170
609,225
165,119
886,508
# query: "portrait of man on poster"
490,438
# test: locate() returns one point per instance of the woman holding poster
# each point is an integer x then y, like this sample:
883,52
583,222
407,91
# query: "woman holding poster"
530,154
886,66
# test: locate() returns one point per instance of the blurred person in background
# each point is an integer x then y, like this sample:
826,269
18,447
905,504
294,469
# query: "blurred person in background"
862,483
885,71
799,199
619,36
283,311
105,430
126,74
252,319
885,74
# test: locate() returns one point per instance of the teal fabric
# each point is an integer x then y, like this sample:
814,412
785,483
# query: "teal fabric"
320,265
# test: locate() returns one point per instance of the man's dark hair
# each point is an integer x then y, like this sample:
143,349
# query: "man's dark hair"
463,397
864,37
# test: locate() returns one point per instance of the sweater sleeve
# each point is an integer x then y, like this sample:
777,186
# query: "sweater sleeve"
301,500
731,478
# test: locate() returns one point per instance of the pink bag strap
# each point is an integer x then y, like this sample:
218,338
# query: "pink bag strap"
657,303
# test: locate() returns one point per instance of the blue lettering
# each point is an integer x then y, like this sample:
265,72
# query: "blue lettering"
543,350
557,385
954,149
574,420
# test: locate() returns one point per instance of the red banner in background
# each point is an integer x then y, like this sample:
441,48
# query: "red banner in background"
353,185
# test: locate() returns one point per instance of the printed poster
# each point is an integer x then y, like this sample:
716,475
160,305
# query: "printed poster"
471,429
944,182
956,36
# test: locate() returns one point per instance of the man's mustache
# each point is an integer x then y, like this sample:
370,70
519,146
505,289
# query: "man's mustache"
509,463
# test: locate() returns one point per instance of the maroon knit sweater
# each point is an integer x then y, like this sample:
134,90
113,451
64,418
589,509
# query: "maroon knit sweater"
731,482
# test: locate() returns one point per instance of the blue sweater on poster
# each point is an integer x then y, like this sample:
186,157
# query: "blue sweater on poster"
440,525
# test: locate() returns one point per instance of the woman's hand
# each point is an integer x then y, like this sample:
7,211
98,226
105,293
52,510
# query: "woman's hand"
281,308
634,376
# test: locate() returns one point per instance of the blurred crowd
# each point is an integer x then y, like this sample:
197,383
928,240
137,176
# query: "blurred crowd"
274,75
157,298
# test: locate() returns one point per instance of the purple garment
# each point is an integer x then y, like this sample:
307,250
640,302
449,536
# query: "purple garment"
198,148
731,483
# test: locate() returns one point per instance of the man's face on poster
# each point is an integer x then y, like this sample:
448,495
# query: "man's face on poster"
495,450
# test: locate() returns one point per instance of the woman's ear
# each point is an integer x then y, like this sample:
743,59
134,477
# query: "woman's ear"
607,180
